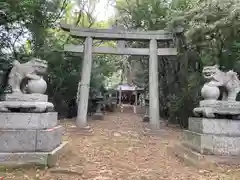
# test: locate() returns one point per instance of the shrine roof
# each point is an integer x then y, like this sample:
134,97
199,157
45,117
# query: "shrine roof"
128,87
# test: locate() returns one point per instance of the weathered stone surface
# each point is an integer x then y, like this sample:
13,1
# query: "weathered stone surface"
212,144
26,97
81,120
187,155
219,104
98,116
49,139
11,120
23,158
154,132
214,104
193,158
17,140
120,50
216,78
31,70
209,108
214,126
113,34
53,155
85,131
30,140
6,106
145,118
38,86
34,158
140,110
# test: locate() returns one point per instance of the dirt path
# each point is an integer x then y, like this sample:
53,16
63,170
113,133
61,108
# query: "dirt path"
119,151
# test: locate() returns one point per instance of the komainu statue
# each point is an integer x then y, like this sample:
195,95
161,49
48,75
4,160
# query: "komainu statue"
216,78
220,92
22,74
28,88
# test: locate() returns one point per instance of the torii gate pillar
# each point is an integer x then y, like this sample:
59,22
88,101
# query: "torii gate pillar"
81,121
153,86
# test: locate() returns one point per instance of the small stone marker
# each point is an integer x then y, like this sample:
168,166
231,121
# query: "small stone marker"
98,115
146,115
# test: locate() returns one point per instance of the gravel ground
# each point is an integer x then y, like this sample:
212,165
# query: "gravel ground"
118,150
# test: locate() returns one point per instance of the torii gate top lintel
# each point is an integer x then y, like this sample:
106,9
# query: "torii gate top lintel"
120,35
117,34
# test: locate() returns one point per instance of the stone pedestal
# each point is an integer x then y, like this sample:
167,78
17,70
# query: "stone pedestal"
146,115
210,141
28,137
141,110
213,136
98,115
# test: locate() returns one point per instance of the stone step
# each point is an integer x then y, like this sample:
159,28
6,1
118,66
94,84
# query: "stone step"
14,120
19,159
16,140
193,158
189,157
189,152
212,144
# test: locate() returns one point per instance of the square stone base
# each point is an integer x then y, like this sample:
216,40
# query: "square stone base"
212,144
31,158
213,136
22,140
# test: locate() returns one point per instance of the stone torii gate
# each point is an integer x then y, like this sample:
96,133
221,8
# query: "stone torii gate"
113,34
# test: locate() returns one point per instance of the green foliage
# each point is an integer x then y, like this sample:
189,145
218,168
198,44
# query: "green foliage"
211,35
29,28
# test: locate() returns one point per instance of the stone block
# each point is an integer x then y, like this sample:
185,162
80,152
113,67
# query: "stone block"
140,110
98,116
26,97
12,120
214,126
54,154
24,106
155,132
17,140
212,144
31,158
49,139
22,158
145,118
187,155
193,158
